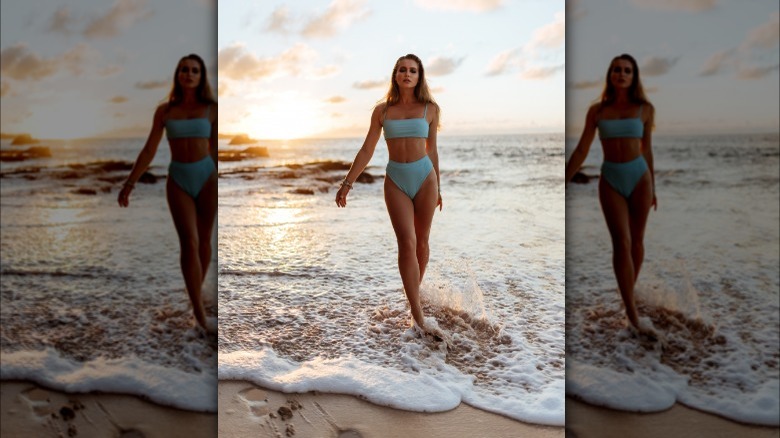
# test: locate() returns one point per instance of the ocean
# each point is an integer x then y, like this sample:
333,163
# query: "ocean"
310,297
709,284
92,295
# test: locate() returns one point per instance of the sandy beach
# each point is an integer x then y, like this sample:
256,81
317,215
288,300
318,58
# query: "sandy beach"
31,410
248,410
585,421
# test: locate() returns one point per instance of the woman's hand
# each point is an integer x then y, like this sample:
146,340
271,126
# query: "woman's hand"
341,196
439,203
124,195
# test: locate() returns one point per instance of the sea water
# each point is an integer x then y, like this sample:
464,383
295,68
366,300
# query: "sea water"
92,294
310,297
709,285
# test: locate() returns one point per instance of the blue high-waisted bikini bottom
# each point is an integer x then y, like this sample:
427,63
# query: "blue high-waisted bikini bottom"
623,177
409,177
191,177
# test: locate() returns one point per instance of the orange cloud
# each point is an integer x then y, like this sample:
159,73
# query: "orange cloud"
122,15
582,85
236,62
677,5
441,66
336,99
149,85
365,85
657,66
339,15
541,72
460,5
118,99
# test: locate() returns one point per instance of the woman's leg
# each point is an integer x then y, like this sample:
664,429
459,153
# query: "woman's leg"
207,213
639,204
401,210
424,207
616,213
183,210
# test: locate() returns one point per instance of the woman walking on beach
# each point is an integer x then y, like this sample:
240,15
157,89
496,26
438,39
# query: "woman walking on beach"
624,119
410,118
189,118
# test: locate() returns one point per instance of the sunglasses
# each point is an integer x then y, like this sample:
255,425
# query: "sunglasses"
626,70
185,69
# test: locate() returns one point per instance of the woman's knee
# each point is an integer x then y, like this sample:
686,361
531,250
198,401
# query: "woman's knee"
407,244
621,244
189,243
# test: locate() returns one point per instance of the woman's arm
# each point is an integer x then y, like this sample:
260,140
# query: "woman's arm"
363,156
647,146
214,134
432,150
145,157
583,147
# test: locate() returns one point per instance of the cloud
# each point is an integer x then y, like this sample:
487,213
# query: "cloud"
541,72
441,66
438,90
4,88
677,5
582,85
717,62
336,99
657,66
110,70
222,89
756,72
122,15
546,43
61,20
118,99
365,85
279,20
550,36
236,62
150,85
765,36
18,62
339,15
460,5
503,62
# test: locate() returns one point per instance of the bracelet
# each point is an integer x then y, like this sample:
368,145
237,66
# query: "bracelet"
346,183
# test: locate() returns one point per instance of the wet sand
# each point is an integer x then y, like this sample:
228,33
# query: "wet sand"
588,421
248,410
31,410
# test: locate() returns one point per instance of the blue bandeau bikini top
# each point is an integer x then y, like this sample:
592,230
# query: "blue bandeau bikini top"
401,128
189,128
622,128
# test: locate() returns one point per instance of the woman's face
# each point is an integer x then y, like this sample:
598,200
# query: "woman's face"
189,73
622,73
408,74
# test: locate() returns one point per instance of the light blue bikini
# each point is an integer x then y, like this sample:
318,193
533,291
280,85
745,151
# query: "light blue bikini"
409,177
191,177
623,177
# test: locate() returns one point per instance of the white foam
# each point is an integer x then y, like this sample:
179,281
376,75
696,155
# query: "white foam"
166,386
430,389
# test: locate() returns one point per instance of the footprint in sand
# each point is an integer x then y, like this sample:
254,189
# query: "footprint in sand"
39,400
256,400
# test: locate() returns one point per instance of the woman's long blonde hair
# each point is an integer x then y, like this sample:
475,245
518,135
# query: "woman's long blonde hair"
421,90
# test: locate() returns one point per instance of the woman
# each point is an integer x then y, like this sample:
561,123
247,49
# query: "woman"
410,118
189,118
624,118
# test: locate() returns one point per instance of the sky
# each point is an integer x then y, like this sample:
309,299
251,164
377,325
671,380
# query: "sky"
92,68
708,66
317,68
